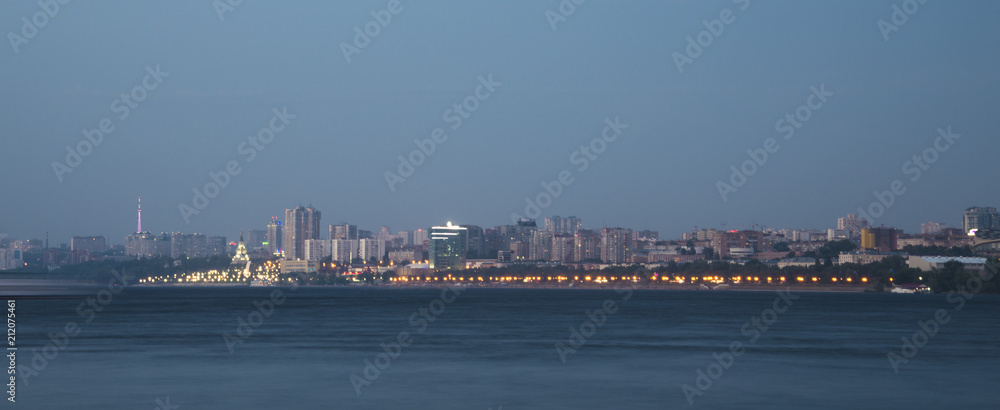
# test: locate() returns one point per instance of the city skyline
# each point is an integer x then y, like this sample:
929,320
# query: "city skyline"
317,229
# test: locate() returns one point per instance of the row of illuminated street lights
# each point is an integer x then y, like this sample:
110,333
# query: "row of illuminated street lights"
606,279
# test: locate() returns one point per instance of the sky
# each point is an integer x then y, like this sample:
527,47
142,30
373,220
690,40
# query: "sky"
536,83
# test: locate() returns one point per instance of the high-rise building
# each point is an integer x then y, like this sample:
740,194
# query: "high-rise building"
520,232
420,237
93,245
385,234
300,224
586,245
540,246
317,249
552,224
978,218
879,239
519,250
11,258
447,247
147,245
216,246
562,248
853,224
476,245
275,236
371,248
405,237
615,245
344,250
188,245
255,239
932,228
492,242
560,225
343,231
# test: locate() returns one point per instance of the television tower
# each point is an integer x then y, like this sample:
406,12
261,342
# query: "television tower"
139,227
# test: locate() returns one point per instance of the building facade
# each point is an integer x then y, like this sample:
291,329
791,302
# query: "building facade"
371,248
93,245
420,237
979,218
615,245
317,249
739,244
540,246
344,250
300,224
586,245
932,228
11,258
564,226
880,239
275,237
562,248
853,224
147,245
447,247
476,240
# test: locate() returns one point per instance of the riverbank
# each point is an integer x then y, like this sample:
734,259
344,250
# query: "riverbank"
609,286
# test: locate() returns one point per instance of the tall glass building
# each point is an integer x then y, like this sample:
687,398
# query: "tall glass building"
448,247
979,218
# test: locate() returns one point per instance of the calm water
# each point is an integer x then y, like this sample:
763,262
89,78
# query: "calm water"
496,347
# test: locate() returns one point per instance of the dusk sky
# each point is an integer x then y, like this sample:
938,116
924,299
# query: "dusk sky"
225,76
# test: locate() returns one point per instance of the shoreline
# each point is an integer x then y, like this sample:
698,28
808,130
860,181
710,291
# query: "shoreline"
681,287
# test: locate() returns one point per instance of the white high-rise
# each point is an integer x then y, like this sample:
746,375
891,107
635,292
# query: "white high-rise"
344,250
371,248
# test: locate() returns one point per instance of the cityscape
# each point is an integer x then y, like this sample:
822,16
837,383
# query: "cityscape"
297,243
502,205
